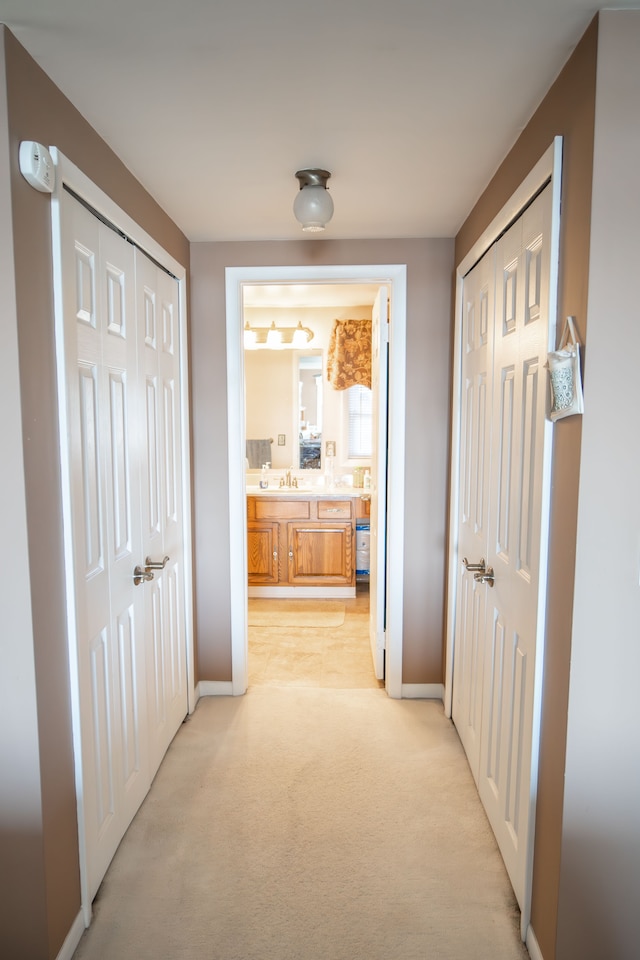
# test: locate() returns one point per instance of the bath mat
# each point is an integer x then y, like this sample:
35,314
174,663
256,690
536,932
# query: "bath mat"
295,613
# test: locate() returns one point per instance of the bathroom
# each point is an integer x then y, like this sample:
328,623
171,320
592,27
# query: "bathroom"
304,436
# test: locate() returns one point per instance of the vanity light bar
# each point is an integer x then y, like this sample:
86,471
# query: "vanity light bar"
276,338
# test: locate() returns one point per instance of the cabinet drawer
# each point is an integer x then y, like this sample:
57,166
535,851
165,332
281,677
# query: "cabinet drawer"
334,509
268,509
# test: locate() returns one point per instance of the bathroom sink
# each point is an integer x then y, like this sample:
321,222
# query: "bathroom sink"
289,491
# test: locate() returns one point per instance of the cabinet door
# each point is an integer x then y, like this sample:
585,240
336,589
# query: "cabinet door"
262,551
321,553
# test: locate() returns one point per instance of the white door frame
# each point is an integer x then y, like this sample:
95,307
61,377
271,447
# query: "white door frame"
394,276
68,173
548,168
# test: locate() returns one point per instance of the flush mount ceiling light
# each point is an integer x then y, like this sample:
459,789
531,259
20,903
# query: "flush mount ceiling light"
313,207
276,338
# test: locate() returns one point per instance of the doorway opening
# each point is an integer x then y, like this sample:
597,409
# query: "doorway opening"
310,449
393,277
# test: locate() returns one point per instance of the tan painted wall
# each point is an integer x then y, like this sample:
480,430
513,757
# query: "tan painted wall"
36,110
600,863
22,933
567,110
269,401
427,389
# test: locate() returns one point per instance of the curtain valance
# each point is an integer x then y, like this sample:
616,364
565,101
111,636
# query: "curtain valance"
349,356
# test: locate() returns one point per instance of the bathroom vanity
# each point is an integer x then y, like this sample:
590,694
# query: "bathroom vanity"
301,544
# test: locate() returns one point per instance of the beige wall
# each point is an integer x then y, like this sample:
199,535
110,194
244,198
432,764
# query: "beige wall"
567,110
600,863
269,401
21,866
427,389
40,884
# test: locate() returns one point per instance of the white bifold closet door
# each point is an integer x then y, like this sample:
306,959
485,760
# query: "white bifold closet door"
121,392
501,521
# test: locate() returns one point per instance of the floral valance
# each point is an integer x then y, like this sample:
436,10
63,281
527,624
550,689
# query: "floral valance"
349,356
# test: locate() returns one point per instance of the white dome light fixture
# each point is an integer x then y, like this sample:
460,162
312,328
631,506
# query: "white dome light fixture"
313,207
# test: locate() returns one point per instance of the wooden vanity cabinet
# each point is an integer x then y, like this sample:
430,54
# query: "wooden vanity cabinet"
320,552
262,551
300,542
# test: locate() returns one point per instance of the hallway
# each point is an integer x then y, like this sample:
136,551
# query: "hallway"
306,822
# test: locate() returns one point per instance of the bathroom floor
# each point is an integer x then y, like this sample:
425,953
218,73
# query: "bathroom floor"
315,656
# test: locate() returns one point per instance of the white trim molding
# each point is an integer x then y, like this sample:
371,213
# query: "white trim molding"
72,939
214,688
303,593
393,276
532,945
423,691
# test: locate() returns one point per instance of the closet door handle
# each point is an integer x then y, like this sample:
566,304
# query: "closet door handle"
150,564
487,577
140,575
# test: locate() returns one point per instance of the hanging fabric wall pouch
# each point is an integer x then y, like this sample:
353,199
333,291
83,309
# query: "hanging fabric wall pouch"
565,379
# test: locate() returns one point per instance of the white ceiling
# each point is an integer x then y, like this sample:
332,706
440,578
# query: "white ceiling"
295,296
214,104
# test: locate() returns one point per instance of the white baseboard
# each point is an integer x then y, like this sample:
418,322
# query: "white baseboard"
532,945
72,939
214,688
303,593
410,691
422,691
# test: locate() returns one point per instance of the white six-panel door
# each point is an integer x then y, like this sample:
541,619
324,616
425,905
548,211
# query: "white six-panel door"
500,520
521,344
100,338
161,518
125,475
475,408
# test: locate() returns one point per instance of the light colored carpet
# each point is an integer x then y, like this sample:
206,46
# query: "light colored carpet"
309,824
295,613
338,656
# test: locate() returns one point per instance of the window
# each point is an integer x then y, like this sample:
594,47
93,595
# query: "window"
359,422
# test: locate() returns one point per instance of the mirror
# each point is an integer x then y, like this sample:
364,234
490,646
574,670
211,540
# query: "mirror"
310,408
284,407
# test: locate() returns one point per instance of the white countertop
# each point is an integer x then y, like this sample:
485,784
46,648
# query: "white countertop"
276,491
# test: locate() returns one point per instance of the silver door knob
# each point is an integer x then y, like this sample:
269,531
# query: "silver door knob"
140,575
471,567
487,577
